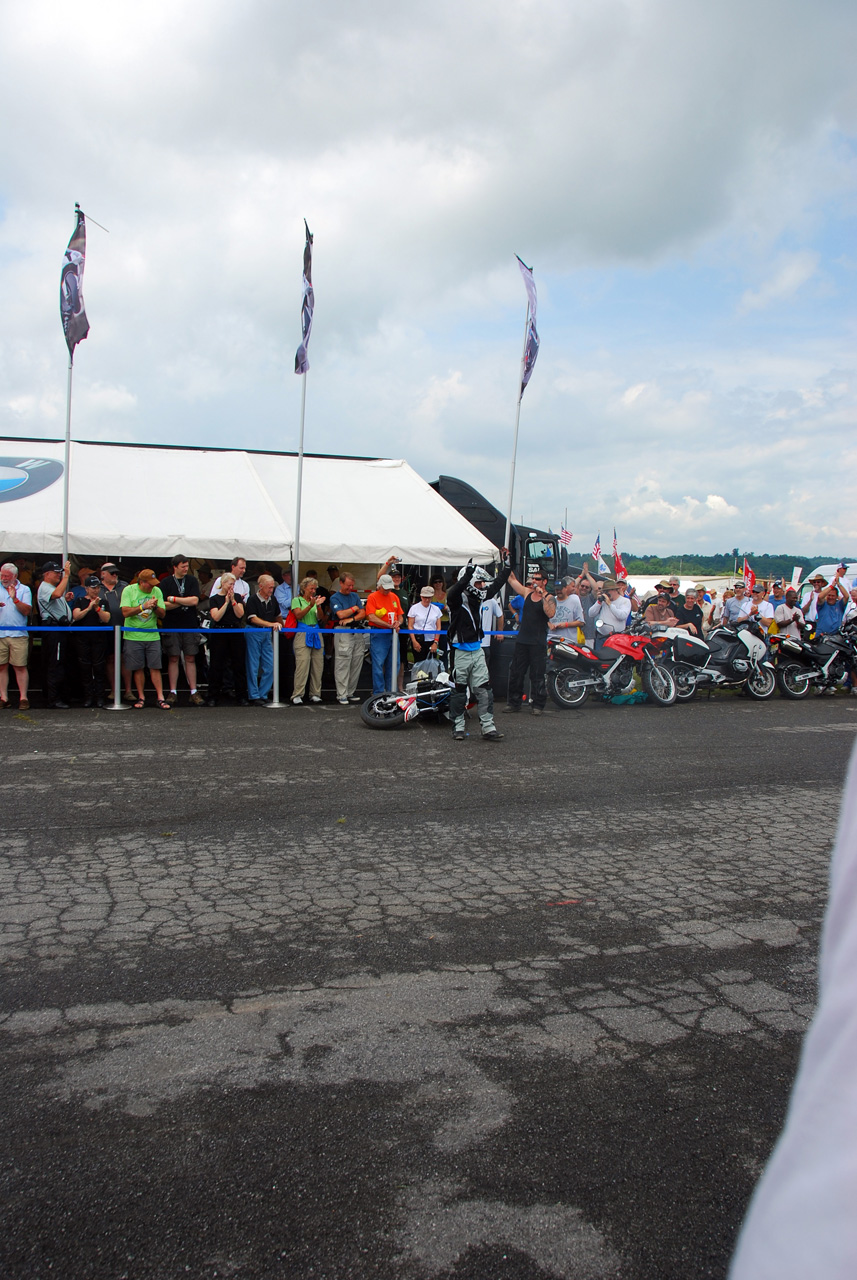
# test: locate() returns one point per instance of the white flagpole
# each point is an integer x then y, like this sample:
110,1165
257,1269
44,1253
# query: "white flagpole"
297,557
517,424
65,485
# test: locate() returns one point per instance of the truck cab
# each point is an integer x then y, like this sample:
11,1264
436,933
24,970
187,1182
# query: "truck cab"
529,549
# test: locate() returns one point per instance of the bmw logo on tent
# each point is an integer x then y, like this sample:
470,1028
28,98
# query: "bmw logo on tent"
21,477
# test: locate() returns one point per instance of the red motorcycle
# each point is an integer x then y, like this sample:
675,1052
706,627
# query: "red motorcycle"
573,671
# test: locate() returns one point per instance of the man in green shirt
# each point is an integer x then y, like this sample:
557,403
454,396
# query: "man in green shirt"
142,607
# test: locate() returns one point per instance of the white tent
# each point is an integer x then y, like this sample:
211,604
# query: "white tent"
150,500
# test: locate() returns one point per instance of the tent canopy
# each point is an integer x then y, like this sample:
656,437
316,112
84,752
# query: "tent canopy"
151,500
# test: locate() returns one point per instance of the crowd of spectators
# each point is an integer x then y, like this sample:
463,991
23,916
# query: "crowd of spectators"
216,630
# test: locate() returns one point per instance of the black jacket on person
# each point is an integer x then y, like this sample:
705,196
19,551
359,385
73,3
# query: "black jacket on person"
464,628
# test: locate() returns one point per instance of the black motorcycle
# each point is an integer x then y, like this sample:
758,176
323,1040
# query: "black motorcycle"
821,663
732,657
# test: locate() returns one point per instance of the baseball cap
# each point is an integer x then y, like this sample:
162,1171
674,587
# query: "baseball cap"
93,581
385,582
109,567
427,591
396,569
52,566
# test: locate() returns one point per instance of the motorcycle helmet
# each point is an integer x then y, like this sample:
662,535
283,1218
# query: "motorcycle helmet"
478,584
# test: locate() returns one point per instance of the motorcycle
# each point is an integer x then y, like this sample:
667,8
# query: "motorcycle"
573,671
731,658
426,695
822,662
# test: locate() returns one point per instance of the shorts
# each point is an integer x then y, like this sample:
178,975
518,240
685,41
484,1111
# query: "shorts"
14,649
176,642
137,654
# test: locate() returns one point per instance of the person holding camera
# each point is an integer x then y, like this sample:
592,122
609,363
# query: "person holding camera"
612,609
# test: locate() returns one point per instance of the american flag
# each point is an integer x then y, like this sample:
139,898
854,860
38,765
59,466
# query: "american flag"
596,550
565,536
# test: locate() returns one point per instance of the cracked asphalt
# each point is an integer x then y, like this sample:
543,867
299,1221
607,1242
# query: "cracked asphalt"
283,996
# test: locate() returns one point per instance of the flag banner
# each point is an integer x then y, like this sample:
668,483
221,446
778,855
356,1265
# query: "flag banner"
749,576
307,306
565,537
75,325
531,350
596,556
619,569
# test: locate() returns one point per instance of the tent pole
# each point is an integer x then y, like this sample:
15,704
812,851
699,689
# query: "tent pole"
297,570
275,704
65,483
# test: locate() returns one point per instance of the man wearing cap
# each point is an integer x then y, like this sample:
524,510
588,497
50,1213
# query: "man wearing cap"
55,612
348,616
473,586
142,606
16,605
87,612
761,609
384,615
738,608
181,599
568,619
531,653
112,587
611,609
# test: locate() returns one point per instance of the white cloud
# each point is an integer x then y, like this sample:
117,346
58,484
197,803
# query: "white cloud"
792,271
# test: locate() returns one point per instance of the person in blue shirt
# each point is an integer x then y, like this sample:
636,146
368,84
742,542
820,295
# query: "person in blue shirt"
286,638
351,640
831,607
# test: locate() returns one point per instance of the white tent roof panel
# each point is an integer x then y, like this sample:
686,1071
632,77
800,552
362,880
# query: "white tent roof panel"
151,501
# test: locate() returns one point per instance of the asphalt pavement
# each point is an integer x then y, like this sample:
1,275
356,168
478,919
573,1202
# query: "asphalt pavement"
283,996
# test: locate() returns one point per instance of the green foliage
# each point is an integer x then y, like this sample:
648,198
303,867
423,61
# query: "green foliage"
693,565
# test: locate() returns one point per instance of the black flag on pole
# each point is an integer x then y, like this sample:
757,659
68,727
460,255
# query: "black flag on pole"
74,322
302,355
531,350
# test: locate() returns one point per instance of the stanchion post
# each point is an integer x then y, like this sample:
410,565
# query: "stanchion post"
118,704
275,704
394,662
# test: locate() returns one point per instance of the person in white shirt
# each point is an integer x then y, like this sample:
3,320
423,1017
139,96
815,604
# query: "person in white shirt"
16,605
424,622
761,609
788,616
612,609
240,588
810,599
569,613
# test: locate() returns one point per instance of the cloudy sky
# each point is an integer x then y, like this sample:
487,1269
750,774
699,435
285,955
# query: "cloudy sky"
681,175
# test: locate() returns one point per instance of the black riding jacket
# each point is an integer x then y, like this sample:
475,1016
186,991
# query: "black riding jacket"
465,623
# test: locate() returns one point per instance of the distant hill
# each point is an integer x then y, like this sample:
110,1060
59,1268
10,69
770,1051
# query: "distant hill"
779,566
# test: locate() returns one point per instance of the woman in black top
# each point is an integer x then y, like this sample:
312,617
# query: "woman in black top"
227,614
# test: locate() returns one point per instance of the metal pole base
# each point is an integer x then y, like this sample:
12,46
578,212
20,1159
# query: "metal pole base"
275,706
122,706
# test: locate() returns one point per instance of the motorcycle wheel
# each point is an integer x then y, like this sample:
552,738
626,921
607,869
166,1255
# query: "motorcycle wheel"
562,688
382,711
685,690
792,681
659,683
761,684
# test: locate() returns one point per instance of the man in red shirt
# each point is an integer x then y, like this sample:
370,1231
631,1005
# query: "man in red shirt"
384,616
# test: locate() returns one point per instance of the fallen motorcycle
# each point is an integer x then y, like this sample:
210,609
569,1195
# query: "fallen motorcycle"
732,657
821,663
426,695
573,671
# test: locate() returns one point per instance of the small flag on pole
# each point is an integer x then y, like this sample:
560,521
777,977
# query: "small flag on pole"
618,564
531,349
75,325
596,556
565,537
307,307
749,576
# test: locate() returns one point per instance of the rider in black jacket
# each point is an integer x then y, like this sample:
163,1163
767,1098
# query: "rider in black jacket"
464,601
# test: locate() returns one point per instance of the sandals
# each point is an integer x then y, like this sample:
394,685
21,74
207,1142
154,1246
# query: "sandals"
164,706
138,706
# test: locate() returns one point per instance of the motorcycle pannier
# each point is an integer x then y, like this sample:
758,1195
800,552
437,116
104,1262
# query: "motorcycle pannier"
687,651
